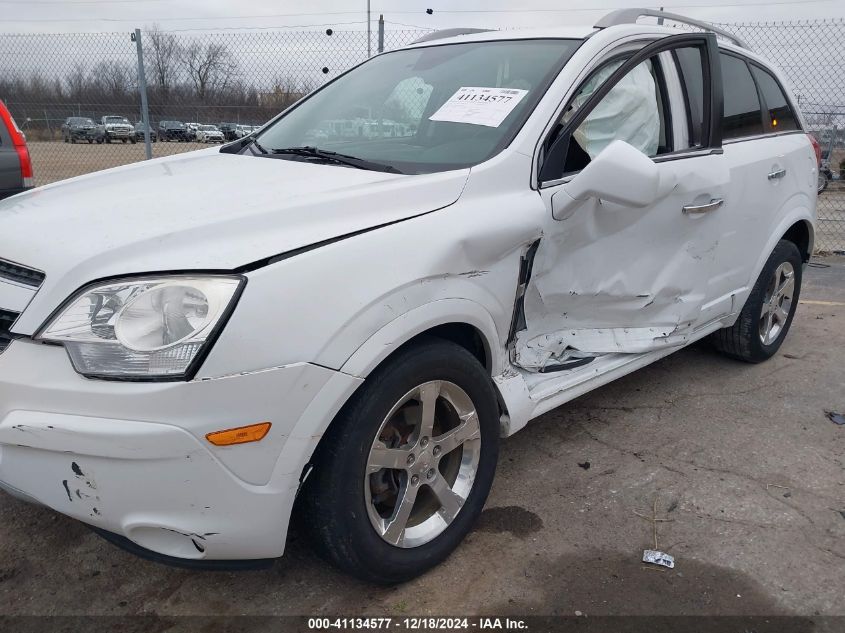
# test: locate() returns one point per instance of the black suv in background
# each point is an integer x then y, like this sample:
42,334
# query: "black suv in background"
139,133
80,128
172,131
15,163
228,130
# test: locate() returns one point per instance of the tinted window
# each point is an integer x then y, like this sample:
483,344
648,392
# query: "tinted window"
743,115
689,66
781,116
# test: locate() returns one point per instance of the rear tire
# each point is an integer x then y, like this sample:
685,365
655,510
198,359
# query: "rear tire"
767,315
389,523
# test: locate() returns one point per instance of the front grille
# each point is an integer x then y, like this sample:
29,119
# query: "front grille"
7,317
20,274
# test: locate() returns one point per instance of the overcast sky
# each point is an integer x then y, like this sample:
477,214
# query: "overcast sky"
119,15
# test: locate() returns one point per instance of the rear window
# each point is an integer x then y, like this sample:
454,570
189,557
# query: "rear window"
743,115
781,116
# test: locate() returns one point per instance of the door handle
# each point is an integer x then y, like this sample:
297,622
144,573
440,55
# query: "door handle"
694,209
780,173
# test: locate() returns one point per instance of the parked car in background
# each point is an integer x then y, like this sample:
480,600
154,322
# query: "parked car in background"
117,128
15,162
172,131
209,134
243,130
191,131
78,128
228,130
139,133
349,328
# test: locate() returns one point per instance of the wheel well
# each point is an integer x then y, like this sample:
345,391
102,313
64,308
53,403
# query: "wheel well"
799,234
463,334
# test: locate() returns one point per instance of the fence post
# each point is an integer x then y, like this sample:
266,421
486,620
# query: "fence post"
381,33
142,88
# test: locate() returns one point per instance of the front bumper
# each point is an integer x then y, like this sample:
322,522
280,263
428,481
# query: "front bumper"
131,458
84,134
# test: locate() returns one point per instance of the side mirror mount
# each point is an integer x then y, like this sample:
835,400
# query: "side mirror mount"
620,174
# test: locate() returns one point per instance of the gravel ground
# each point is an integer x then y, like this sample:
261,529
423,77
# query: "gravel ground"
741,458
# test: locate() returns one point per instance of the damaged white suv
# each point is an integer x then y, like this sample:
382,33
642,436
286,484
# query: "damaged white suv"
436,247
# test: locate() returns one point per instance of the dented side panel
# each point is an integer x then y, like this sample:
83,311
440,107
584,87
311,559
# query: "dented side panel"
610,279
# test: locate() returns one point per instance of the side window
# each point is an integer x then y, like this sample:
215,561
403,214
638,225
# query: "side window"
743,115
689,62
631,111
781,116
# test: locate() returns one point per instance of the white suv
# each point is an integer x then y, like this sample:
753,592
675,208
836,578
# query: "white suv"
527,216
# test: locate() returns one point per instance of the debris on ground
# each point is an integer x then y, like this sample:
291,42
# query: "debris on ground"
655,556
836,418
786,494
658,558
584,465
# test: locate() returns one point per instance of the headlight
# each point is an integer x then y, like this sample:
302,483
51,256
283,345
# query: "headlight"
143,328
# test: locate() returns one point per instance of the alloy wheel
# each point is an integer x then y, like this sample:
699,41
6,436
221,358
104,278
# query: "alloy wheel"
777,303
423,463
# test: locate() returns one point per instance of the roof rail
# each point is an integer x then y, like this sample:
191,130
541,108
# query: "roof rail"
630,16
439,35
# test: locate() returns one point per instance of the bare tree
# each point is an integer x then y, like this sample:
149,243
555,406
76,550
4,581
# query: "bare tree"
76,82
113,78
210,67
165,58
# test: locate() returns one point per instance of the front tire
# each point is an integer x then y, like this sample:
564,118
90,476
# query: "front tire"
405,468
764,321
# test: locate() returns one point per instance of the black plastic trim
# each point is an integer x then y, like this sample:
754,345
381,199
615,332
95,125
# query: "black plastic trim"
184,563
20,274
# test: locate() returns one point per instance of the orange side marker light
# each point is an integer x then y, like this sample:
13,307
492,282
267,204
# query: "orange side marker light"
240,435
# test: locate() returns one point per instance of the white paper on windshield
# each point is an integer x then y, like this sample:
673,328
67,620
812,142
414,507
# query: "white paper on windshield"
479,106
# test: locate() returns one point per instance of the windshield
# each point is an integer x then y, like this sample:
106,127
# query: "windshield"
426,109
208,128
116,119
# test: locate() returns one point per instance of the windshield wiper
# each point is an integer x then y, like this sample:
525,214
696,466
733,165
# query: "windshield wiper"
334,157
258,145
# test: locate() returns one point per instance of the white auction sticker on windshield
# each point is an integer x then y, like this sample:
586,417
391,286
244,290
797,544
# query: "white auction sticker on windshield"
479,106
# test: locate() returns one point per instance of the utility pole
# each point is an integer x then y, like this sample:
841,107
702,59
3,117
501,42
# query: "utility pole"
142,88
369,32
381,33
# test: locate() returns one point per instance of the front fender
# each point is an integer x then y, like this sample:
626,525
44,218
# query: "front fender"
414,322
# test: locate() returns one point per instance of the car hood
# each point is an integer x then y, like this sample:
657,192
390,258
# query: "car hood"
203,210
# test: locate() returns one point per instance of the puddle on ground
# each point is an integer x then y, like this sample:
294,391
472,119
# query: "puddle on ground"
514,519
607,583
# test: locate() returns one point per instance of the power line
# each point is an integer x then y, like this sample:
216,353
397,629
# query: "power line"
612,8
66,2
328,13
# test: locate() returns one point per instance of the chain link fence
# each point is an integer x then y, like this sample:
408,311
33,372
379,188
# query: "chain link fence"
77,96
